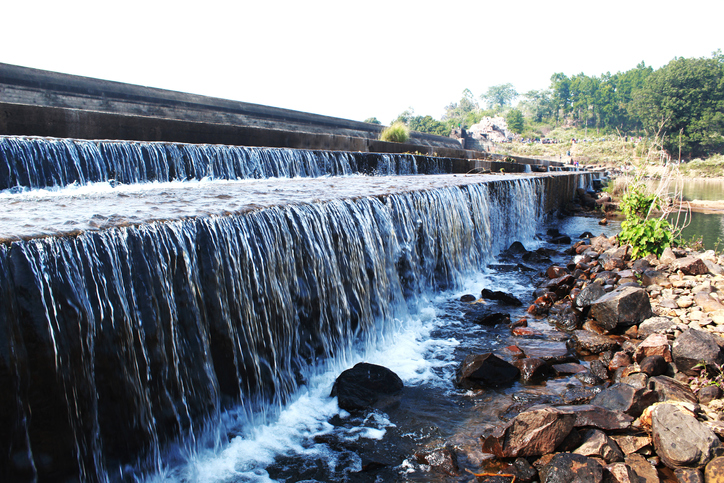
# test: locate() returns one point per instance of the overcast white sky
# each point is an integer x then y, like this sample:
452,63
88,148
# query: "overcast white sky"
352,59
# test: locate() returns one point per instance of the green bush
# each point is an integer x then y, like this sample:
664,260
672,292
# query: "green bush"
646,234
397,133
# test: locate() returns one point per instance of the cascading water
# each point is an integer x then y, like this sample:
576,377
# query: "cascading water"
119,342
33,163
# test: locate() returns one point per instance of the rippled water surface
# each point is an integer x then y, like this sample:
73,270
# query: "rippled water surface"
98,206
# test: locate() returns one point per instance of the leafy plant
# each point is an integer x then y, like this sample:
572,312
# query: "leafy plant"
707,377
397,133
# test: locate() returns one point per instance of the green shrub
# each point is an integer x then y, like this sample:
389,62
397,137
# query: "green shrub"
397,133
645,233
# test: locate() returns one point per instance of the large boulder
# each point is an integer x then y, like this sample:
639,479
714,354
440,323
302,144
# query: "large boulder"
623,306
680,439
531,433
571,468
486,370
694,347
361,386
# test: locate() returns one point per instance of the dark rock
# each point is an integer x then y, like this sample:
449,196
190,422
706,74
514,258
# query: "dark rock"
620,359
624,306
441,460
695,346
561,240
499,296
468,298
578,395
591,416
641,265
587,341
613,263
486,370
714,471
654,365
361,386
567,320
622,397
491,319
572,441
690,265
681,440
669,389
531,433
517,248
532,369
569,368
571,468
597,444
598,369
589,378
564,281
689,475
523,471
589,294
638,380
708,393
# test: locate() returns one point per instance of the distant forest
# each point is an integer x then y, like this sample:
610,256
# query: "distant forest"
682,102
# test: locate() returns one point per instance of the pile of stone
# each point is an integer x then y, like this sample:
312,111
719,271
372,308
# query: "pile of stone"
650,407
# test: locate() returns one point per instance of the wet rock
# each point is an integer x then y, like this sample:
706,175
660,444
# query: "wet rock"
531,433
620,473
532,369
361,386
441,460
589,378
654,365
589,294
587,341
653,345
486,370
644,470
596,443
689,475
669,389
695,346
555,271
714,471
568,368
503,297
523,471
598,369
468,298
571,468
708,393
622,397
567,320
624,306
681,440
565,282
517,248
690,265
535,257
578,395
592,416
491,319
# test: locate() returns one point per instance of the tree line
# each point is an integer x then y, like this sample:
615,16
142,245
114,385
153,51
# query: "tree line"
681,102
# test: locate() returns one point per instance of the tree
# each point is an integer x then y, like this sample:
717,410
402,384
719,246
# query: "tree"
537,104
500,95
686,99
428,124
372,120
515,121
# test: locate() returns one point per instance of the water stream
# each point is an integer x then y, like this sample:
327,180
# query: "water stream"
191,331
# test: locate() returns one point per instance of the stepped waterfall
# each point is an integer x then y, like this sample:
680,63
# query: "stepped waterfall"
121,342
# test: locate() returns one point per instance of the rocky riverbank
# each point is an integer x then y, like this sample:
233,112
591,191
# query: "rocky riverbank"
646,341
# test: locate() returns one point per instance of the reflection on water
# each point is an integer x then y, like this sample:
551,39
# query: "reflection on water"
710,227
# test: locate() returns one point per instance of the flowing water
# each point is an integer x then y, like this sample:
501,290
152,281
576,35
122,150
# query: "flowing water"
191,331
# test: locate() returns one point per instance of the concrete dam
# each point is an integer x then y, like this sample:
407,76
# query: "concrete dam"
174,287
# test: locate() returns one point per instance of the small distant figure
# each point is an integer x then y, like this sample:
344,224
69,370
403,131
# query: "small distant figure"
576,164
